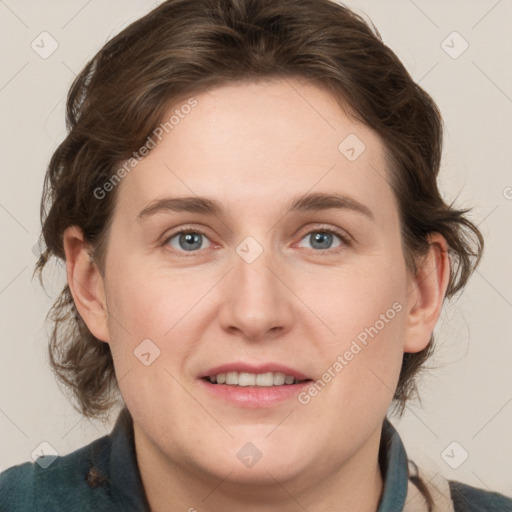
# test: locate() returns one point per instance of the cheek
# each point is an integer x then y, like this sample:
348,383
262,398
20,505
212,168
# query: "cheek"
150,301
365,312
360,297
153,311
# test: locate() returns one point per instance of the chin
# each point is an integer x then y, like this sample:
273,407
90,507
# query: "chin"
263,472
256,460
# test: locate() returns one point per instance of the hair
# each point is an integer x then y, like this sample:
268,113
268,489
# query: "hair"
185,47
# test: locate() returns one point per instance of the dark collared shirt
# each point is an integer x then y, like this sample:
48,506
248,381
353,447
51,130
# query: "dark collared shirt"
103,476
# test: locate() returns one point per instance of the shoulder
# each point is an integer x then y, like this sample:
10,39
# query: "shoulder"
451,495
32,486
471,499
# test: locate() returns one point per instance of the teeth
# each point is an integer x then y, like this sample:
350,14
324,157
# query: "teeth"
265,379
232,378
279,379
246,379
251,379
289,379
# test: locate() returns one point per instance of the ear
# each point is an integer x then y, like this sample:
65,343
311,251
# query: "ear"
86,283
426,294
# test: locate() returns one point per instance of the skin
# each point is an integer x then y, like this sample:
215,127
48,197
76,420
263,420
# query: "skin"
254,147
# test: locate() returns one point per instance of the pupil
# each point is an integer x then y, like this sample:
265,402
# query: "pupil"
324,239
192,241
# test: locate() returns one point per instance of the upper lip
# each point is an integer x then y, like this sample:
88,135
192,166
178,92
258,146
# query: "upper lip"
256,369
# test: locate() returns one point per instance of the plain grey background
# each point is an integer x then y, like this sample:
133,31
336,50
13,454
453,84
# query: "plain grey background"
458,50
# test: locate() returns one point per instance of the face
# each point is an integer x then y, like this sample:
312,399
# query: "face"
284,258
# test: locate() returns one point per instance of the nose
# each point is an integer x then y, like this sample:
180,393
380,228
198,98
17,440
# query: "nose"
257,303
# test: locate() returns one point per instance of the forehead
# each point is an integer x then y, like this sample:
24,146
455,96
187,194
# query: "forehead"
261,143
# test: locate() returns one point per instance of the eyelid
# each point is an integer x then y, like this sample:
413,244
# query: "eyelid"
345,237
328,228
181,230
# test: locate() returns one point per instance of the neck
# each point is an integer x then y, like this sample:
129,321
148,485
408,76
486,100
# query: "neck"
354,486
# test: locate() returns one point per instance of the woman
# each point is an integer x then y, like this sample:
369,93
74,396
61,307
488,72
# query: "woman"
257,254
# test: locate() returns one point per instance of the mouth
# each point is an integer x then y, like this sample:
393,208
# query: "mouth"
244,385
246,379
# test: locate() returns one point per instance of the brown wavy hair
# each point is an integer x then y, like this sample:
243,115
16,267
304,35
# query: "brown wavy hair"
185,47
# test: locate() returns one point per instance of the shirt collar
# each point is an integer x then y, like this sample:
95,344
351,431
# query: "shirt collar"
126,483
393,459
125,480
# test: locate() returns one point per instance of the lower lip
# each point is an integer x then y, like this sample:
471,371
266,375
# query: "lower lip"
253,397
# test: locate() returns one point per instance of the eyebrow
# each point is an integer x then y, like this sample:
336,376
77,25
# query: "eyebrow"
203,205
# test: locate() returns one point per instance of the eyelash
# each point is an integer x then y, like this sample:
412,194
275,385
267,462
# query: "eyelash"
344,238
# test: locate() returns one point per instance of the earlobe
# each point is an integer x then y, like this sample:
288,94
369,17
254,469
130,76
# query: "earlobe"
86,283
426,295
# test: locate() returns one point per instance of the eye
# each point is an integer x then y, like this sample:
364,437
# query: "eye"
192,240
322,239
188,241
